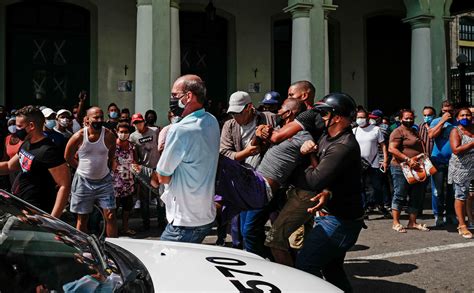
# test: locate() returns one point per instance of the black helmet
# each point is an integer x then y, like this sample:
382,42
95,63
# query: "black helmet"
337,103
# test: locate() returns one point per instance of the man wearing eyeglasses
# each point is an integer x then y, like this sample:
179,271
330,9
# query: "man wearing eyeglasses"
238,143
188,164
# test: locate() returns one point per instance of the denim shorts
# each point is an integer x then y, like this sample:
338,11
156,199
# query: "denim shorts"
186,234
461,190
293,215
86,192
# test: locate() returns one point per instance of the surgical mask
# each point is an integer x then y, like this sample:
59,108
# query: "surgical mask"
465,122
21,133
50,124
175,119
362,122
97,125
123,136
64,122
372,122
181,105
113,115
428,119
175,108
408,123
12,128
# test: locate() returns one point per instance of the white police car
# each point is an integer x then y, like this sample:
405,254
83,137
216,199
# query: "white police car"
39,253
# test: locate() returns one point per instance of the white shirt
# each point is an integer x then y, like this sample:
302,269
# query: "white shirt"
190,158
369,138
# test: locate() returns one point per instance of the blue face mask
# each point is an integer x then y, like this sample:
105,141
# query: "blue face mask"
465,122
50,124
113,115
428,119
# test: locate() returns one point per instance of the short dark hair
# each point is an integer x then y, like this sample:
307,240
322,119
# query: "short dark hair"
307,86
125,110
362,110
403,111
112,105
124,124
32,114
197,87
446,103
295,104
430,108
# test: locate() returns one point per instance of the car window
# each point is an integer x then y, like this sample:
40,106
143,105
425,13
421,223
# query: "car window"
39,252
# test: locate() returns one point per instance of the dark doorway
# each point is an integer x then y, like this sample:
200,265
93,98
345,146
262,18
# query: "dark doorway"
204,52
282,32
388,63
48,53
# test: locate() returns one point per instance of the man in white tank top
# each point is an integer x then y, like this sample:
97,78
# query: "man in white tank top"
92,183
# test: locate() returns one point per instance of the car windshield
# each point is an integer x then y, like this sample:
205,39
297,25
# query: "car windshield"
39,252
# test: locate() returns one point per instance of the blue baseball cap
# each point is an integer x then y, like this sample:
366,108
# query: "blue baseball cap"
271,98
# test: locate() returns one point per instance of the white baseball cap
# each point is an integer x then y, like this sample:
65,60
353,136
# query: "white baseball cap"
238,101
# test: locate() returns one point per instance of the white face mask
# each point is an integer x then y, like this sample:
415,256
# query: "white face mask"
361,122
123,136
372,121
64,122
12,128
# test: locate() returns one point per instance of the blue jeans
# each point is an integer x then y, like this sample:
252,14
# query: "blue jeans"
441,199
402,190
252,227
325,247
372,180
186,234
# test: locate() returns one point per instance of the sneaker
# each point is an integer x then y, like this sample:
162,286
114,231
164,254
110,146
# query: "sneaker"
439,221
137,204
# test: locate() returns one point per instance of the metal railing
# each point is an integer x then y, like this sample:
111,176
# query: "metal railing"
455,90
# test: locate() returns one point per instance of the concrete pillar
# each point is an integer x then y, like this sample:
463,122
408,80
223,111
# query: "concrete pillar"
301,44
175,70
421,86
161,58
144,65
327,75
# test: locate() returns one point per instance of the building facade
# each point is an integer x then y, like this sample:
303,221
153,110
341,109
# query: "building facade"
387,54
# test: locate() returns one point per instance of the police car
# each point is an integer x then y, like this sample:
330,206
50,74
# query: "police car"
39,253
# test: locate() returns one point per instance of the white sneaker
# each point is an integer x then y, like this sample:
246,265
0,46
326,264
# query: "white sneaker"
137,204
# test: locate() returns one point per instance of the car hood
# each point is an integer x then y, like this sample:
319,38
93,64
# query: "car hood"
182,267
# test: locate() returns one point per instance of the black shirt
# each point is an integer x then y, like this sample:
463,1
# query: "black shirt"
35,184
339,172
311,122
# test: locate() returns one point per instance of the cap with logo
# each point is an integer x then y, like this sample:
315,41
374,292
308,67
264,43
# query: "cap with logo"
376,114
271,98
137,117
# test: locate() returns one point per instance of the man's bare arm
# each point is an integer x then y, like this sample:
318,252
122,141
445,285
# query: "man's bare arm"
62,177
10,166
71,148
285,132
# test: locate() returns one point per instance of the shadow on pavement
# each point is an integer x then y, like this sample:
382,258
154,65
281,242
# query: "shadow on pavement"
359,247
361,274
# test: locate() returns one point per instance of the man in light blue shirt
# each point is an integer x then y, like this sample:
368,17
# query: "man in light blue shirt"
188,164
442,200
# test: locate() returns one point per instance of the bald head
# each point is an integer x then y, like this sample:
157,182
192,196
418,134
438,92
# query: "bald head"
294,105
302,90
93,111
191,83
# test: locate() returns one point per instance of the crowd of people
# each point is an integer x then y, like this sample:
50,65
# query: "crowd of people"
315,169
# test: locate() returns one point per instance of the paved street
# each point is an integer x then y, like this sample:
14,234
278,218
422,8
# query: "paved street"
383,260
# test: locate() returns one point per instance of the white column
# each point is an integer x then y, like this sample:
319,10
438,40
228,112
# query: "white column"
144,65
300,43
421,82
327,74
175,63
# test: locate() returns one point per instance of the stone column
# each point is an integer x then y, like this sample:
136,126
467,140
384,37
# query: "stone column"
301,41
421,86
175,70
143,67
161,58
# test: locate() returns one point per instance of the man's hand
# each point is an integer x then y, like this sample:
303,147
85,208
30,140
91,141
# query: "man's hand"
412,163
264,131
446,116
252,150
322,197
308,147
82,96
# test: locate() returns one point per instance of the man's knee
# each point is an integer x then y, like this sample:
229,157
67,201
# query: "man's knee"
109,215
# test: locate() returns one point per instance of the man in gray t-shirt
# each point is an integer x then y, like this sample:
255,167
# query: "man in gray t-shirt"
146,143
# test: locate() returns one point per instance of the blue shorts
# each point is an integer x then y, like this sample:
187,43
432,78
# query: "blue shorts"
461,190
86,192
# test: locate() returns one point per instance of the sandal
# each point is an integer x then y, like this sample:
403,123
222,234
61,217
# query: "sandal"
399,228
462,230
420,227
